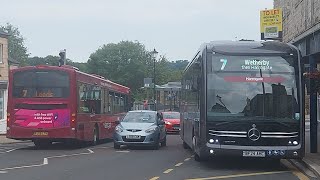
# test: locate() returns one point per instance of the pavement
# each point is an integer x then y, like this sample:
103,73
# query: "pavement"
4,140
312,160
172,162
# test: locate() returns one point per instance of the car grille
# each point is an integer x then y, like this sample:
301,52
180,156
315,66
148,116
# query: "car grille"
133,140
134,130
176,125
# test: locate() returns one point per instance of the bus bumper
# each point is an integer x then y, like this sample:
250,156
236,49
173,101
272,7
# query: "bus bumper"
20,133
275,152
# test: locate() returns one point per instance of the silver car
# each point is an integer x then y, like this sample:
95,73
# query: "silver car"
140,128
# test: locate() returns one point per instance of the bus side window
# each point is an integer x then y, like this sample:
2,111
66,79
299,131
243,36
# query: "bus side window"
110,104
106,102
83,105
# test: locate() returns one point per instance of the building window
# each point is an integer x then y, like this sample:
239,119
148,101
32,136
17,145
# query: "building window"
1,53
1,104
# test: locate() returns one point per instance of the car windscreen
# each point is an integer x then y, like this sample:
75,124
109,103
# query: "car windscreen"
40,84
140,117
171,115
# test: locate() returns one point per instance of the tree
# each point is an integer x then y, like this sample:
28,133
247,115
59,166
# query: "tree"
126,63
17,49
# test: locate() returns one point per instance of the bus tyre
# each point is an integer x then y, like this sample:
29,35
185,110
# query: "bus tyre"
164,142
116,146
185,145
42,143
197,157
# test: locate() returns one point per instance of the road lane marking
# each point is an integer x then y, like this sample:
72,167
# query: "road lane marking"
3,172
239,175
11,150
167,171
123,151
179,164
187,159
294,170
155,178
46,161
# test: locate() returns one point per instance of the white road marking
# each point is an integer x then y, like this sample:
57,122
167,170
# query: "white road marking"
3,172
11,150
46,161
179,164
123,151
167,171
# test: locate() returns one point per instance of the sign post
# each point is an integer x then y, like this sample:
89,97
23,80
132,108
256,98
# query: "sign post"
271,24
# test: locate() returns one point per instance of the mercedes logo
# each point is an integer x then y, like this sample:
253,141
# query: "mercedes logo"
254,133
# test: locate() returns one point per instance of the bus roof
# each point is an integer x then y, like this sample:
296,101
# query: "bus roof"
70,69
249,47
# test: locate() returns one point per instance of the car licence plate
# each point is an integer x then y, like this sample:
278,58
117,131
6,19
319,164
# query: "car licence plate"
254,154
133,136
40,133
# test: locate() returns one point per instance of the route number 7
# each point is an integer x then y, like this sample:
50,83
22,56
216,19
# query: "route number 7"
224,63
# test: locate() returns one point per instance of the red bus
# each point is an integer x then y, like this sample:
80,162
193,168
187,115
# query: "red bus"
56,104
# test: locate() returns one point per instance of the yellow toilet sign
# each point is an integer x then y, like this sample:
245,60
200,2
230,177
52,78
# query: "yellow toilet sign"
271,24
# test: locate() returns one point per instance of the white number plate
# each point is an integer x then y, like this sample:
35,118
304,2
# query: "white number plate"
133,136
254,154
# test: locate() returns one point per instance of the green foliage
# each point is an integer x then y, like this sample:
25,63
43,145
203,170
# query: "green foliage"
17,49
128,63
125,63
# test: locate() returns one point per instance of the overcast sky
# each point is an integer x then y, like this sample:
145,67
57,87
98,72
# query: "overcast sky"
176,28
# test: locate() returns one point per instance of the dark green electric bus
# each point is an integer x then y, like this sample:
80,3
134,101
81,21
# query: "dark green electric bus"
243,99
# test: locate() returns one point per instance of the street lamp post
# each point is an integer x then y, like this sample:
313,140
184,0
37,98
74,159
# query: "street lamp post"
154,55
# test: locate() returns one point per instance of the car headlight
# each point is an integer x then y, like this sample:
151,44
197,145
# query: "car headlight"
168,123
118,129
151,130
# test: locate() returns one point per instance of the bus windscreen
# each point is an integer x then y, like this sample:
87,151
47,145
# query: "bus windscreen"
41,84
244,87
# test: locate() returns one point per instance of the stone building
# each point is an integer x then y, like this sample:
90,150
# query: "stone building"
3,80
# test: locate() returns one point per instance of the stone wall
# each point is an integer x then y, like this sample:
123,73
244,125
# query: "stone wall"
298,16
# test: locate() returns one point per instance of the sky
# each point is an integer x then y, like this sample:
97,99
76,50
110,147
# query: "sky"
175,28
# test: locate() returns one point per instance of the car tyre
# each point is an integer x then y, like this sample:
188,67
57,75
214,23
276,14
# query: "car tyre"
156,144
116,146
164,142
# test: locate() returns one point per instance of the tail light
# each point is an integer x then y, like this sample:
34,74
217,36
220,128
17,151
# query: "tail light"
73,119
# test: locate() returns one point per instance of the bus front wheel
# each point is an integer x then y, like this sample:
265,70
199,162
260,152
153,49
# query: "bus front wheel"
185,145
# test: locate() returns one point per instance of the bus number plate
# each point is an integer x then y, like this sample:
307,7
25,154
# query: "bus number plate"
254,154
40,133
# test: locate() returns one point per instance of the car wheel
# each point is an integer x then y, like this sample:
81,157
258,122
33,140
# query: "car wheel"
185,145
116,146
164,142
156,144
